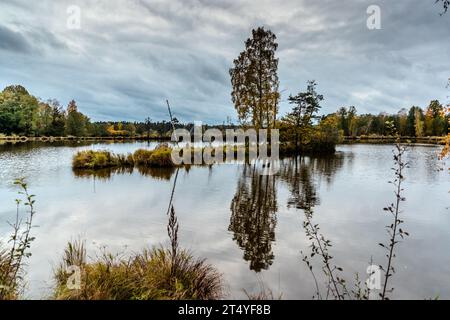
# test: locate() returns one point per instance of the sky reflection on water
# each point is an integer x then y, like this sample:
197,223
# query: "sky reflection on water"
248,225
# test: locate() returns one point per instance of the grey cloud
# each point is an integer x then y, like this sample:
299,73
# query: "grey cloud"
45,39
29,41
129,56
13,41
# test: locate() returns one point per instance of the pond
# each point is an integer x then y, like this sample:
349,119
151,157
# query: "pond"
247,225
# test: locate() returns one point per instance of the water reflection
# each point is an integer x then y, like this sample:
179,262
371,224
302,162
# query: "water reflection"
253,217
107,173
254,207
297,174
346,192
302,174
25,147
101,174
157,173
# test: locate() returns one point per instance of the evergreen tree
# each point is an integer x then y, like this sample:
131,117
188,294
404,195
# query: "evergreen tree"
305,109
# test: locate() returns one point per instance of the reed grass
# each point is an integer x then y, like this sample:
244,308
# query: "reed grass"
151,274
91,159
160,157
142,157
5,275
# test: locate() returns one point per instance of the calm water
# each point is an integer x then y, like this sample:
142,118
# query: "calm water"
249,226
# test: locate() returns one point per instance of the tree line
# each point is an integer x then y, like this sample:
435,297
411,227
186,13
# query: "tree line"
415,122
23,114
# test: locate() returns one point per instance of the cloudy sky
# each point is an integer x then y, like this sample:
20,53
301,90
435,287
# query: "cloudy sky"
130,55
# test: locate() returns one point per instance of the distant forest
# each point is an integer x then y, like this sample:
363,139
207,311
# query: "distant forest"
23,114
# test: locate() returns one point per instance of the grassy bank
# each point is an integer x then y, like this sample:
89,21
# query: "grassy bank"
148,275
161,157
90,159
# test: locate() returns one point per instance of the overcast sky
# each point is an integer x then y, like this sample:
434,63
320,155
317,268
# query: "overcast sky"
131,55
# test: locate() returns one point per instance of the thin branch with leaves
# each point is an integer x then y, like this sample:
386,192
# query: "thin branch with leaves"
336,285
394,230
12,263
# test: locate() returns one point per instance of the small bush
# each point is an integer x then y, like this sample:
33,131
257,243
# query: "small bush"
149,275
142,156
125,160
161,157
90,159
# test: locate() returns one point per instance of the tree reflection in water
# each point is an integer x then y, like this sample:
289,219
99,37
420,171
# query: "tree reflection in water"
302,174
253,217
107,173
254,206
297,174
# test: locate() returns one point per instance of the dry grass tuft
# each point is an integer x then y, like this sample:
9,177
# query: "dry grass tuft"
148,275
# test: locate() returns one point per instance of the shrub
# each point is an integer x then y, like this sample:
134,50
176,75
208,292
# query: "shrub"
125,160
142,156
148,275
90,159
161,157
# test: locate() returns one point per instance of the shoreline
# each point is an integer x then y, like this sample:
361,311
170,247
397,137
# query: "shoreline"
72,138
345,140
440,141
